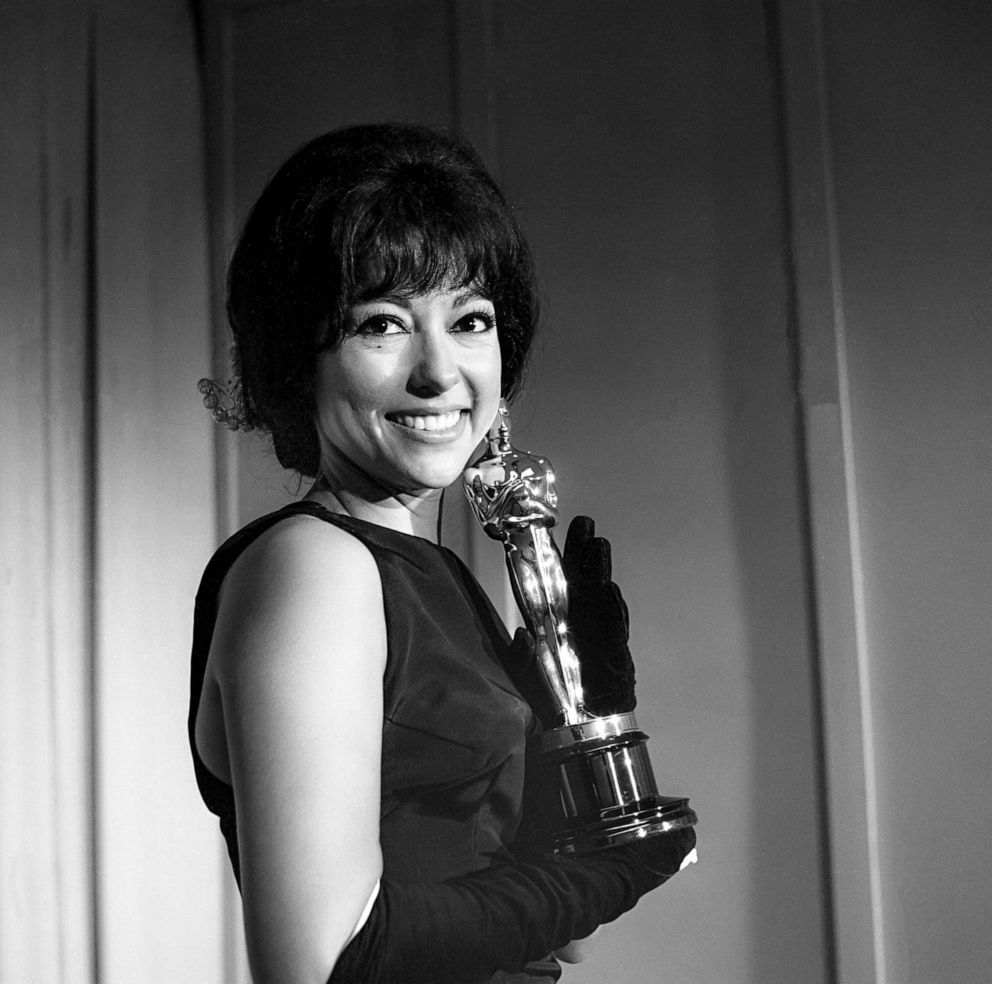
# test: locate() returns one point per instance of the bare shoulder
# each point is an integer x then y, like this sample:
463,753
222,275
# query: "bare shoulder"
302,581
302,547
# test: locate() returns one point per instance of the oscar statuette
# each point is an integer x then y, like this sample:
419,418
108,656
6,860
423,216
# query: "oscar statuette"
607,787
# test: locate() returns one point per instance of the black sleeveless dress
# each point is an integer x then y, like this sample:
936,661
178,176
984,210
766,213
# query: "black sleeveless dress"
454,726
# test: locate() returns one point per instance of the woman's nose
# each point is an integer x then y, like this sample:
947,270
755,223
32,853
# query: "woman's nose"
435,366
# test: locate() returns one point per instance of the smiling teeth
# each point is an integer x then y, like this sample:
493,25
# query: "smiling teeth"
431,422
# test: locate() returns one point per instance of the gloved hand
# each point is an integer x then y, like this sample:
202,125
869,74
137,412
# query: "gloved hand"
598,621
470,926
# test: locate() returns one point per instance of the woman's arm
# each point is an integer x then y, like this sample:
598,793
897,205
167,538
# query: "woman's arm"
469,926
298,652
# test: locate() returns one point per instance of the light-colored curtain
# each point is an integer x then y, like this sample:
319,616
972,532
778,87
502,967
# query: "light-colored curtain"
111,869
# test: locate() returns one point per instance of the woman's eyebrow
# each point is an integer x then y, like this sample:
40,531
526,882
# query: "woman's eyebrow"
469,296
400,300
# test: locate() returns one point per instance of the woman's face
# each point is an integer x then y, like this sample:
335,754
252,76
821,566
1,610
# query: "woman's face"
410,390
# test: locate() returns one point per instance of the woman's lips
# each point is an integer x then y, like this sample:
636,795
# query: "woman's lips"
431,427
427,421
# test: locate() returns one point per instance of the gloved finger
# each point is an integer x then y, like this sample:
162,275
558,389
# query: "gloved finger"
580,531
591,563
597,561
664,854
521,651
519,660
622,608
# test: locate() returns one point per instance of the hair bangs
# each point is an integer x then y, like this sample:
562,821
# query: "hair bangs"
416,242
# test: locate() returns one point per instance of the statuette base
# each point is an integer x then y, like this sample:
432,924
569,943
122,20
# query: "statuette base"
607,787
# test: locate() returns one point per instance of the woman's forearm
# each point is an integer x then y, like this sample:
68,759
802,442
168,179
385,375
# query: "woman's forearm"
501,918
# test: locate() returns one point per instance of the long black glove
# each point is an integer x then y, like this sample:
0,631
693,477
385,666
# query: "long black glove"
599,628
598,621
465,929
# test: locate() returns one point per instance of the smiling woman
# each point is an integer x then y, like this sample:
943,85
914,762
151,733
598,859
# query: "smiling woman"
382,302
407,394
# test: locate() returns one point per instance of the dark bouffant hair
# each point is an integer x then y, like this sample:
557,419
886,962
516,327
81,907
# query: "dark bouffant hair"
354,214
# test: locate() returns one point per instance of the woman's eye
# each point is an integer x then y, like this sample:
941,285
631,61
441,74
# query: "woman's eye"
380,324
475,323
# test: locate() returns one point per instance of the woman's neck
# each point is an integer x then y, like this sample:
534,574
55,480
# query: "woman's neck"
417,514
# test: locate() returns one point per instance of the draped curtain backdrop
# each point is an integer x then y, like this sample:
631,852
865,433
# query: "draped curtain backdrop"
107,873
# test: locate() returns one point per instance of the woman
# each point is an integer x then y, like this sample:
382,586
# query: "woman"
352,720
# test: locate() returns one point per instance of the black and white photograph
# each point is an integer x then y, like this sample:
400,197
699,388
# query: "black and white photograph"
495,492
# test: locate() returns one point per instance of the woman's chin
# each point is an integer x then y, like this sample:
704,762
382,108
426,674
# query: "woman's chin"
433,468
425,482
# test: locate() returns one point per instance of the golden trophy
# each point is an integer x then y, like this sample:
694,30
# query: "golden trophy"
607,788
